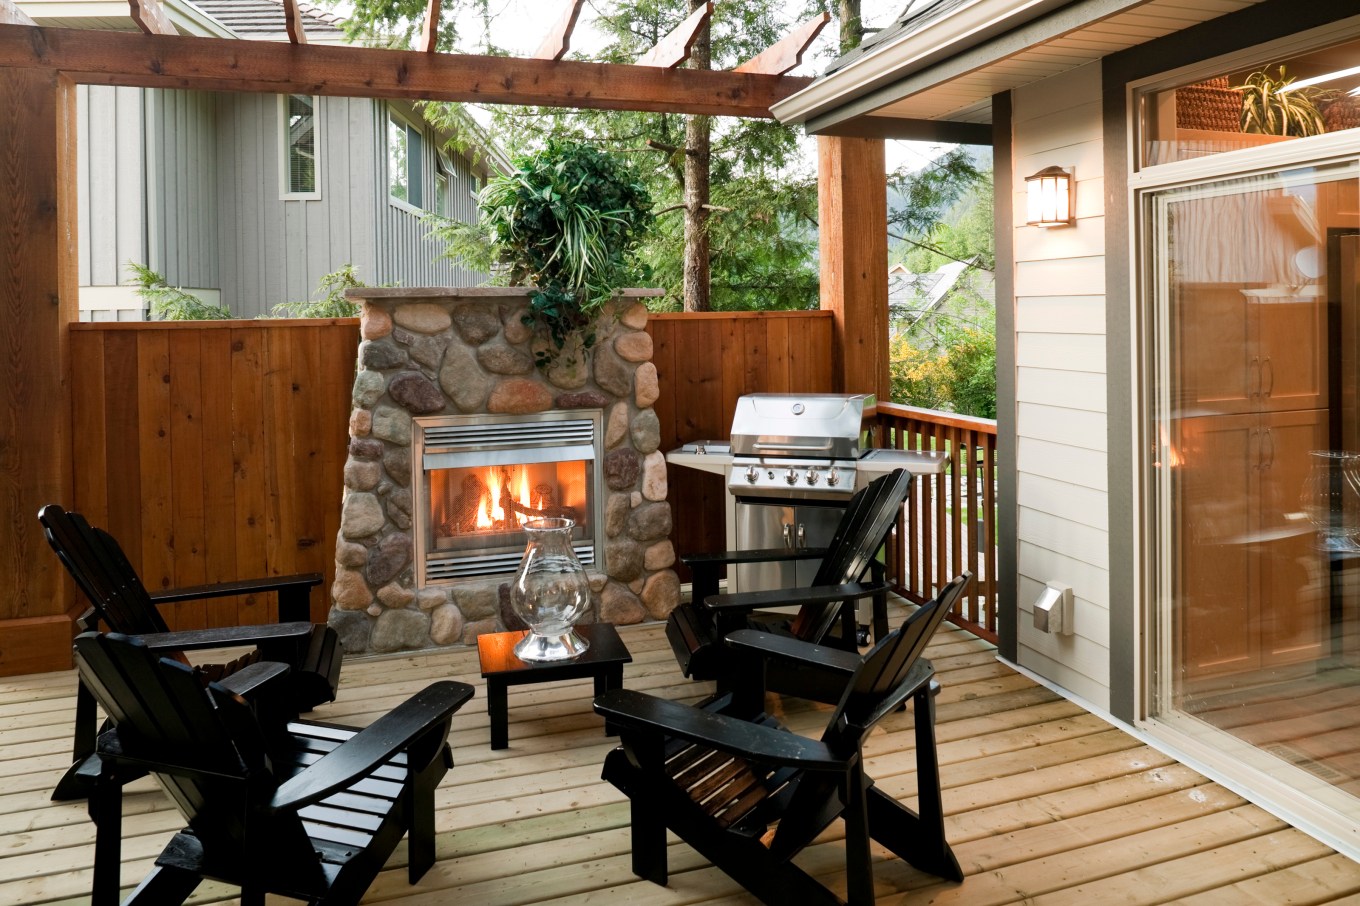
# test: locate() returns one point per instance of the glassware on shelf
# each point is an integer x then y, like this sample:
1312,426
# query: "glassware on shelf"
1331,499
550,593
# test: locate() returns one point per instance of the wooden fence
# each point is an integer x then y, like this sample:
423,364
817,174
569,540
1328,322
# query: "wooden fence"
950,524
215,450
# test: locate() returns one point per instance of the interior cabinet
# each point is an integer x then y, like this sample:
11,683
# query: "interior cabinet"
1252,348
1254,583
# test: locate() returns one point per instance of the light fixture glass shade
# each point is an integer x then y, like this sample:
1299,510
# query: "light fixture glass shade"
1049,195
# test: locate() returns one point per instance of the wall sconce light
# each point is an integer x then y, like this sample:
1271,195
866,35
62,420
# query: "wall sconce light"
1052,195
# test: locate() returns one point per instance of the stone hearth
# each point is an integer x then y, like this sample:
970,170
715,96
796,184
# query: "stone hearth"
454,351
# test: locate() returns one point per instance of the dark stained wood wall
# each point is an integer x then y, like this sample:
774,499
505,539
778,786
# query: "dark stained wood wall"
216,450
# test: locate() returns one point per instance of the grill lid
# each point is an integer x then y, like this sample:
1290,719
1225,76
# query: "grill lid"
806,426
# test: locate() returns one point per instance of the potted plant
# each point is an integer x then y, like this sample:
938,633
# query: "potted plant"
566,222
1271,107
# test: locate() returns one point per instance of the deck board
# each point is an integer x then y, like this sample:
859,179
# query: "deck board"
1043,801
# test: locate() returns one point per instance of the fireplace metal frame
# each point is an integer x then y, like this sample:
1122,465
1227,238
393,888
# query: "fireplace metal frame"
473,441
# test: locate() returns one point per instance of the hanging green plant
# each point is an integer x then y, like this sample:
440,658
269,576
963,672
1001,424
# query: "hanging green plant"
1271,107
567,222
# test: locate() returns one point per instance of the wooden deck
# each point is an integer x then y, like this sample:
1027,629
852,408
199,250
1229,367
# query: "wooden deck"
1045,802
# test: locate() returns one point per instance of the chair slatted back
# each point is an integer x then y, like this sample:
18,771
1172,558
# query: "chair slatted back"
102,571
888,667
164,715
862,530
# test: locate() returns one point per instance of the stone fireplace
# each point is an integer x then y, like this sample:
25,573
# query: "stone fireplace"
456,437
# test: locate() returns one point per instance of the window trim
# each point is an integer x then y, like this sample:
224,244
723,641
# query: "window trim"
285,193
395,116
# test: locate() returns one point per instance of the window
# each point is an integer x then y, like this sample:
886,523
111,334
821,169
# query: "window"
404,159
442,200
300,153
1252,102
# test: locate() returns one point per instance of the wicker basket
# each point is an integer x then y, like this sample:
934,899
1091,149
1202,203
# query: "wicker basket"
1209,105
1342,113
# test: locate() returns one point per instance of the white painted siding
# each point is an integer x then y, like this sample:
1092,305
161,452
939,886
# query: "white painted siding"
1061,488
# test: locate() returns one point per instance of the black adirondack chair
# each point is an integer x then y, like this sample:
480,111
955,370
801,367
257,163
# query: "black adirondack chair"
120,602
826,614
295,808
749,795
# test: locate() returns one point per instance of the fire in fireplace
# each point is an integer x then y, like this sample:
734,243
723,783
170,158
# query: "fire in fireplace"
478,479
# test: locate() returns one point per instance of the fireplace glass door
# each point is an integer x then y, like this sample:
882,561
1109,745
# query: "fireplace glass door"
479,480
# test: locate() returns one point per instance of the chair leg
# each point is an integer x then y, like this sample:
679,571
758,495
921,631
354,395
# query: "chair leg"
105,806
918,838
420,836
859,866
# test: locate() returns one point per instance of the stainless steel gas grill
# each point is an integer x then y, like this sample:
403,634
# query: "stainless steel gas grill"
792,463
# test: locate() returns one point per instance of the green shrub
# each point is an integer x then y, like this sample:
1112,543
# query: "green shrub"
330,301
170,303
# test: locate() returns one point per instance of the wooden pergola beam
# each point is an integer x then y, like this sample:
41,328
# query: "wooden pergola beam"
217,64
151,17
674,49
429,32
556,44
787,53
292,22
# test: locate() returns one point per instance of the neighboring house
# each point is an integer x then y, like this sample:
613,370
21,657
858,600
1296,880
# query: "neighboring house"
912,297
248,199
1179,368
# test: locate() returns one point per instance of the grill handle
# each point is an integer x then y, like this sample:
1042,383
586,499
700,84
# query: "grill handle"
800,448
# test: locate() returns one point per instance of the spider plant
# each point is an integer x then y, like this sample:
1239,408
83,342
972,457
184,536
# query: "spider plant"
1271,107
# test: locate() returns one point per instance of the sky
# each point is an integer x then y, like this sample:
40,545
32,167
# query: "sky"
520,26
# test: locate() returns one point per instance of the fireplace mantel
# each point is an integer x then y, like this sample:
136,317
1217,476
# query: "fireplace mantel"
452,351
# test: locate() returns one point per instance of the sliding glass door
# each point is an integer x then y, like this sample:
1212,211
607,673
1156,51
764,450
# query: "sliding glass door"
1254,473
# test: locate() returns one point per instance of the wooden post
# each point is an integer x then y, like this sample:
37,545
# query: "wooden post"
37,301
852,199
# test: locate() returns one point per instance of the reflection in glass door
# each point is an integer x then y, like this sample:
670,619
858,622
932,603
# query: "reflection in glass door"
1256,400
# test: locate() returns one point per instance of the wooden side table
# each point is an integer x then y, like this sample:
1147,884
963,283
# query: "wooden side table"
603,661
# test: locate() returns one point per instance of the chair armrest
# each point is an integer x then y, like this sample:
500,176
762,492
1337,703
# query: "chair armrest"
254,679
792,597
364,752
768,555
626,709
226,637
239,587
795,651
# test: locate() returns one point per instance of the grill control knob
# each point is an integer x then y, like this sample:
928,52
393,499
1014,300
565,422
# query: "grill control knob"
811,476
792,476
833,477
751,475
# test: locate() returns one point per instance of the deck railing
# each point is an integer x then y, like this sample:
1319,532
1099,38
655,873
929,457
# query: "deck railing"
950,523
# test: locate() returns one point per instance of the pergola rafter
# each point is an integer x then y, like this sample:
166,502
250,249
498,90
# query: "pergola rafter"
292,22
675,48
558,41
151,17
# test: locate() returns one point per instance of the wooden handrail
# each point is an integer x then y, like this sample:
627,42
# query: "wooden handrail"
937,538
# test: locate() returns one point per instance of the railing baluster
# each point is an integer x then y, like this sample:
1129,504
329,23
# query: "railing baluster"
934,542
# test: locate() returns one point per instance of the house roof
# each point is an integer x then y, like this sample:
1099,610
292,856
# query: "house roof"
942,60
262,20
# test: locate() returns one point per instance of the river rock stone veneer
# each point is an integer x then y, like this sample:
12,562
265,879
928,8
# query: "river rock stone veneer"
467,351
